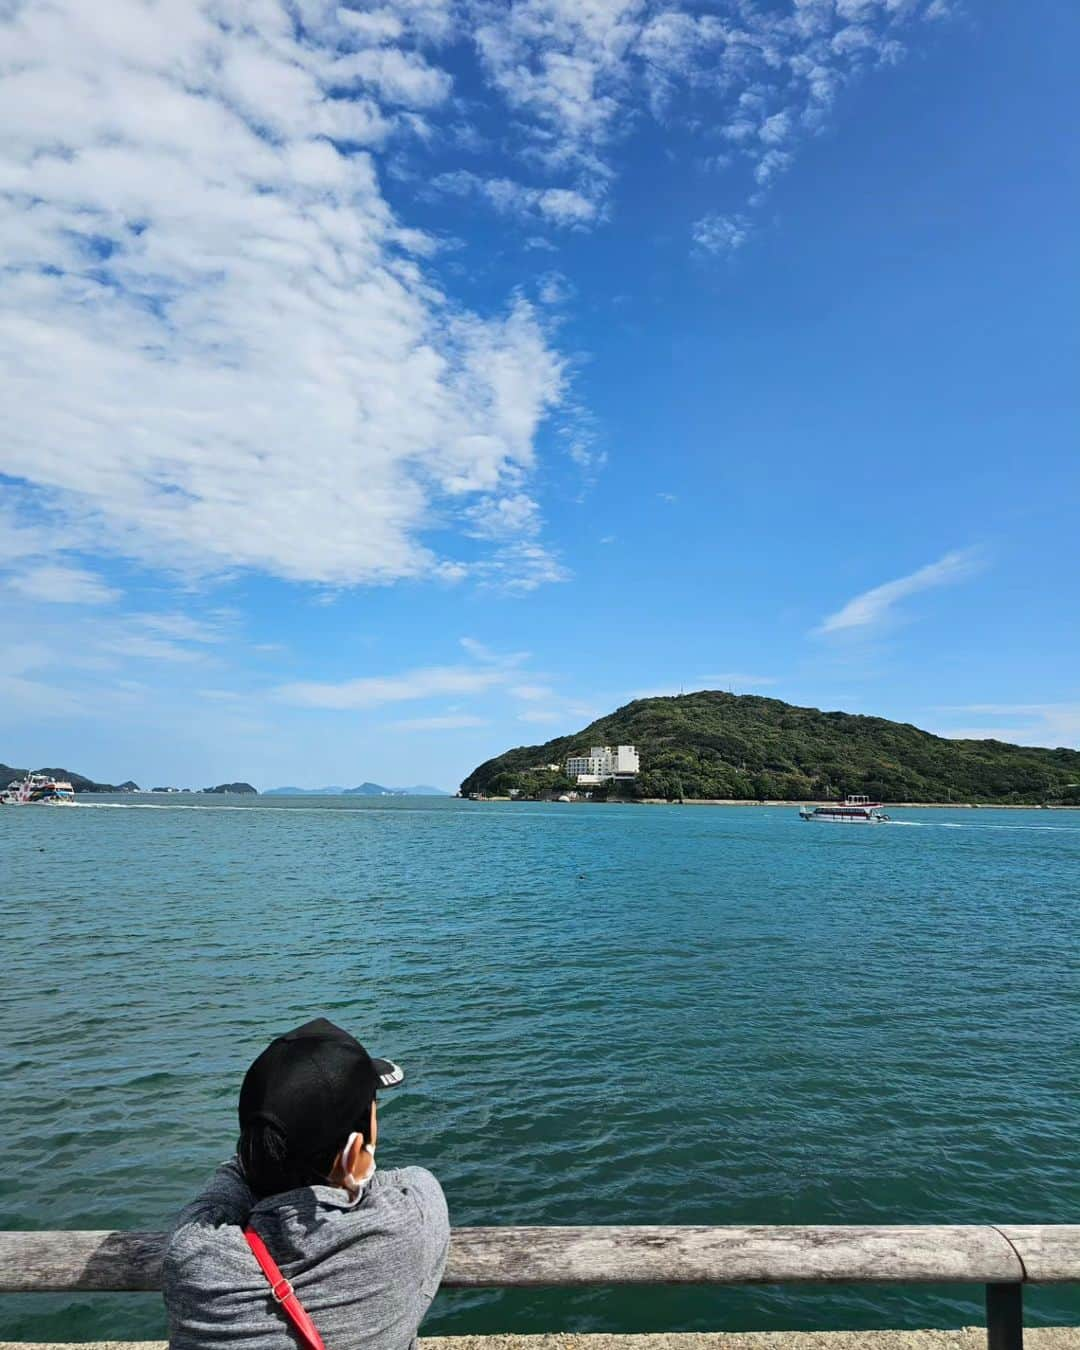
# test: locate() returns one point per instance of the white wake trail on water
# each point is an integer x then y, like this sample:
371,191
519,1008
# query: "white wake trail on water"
277,810
980,825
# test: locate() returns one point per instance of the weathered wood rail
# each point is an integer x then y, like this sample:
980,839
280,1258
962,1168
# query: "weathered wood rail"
1002,1257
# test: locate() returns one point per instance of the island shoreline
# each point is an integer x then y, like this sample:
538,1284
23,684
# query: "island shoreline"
750,801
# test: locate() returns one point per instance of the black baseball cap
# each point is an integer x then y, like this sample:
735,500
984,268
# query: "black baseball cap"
316,1085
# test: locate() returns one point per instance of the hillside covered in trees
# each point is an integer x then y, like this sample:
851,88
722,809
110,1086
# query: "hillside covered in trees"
78,781
717,745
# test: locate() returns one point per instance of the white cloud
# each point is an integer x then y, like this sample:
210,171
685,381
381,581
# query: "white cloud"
140,647
770,165
721,234
181,626
43,698
532,692
562,67
396,76
377,690
872,607
511,517
1046,724
542,716
61,584
521,568
559,206
449,722
776,128
257,370
480,651
555,289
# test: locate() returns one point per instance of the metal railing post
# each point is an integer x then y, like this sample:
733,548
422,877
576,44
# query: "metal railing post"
1004,1317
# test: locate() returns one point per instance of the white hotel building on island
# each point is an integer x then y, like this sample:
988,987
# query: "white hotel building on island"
603,763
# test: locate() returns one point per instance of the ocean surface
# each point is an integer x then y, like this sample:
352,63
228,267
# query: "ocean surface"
607,1014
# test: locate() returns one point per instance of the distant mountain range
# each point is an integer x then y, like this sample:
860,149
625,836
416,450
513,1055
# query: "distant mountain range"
364,790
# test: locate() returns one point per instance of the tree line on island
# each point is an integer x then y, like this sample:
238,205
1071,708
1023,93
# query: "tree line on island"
715,745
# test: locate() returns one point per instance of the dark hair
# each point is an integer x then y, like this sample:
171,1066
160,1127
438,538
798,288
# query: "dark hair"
270,1167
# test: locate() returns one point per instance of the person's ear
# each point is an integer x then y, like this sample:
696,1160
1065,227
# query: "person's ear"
353,1155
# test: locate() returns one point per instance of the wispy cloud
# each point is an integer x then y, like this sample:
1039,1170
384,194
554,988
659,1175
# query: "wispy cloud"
1048,724
532,693
182,627
489,672
871,608
482,651
143,647
721,234
560,206
520,568
448,722
62,585
513,516
765,76
373,691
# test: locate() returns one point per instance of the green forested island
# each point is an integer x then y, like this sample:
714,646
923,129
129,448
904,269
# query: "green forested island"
717,745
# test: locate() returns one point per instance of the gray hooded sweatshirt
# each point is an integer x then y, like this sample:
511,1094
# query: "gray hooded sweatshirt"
365,1269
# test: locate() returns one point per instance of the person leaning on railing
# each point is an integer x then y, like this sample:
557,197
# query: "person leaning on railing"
297,1238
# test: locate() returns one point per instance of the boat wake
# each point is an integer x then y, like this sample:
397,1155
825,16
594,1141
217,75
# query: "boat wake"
981,825
277,810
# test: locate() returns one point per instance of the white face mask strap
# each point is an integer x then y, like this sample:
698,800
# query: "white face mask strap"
350,1182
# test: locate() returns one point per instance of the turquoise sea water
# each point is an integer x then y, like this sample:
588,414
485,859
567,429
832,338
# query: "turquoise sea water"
607,1014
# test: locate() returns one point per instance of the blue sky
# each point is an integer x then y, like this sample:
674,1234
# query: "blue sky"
389,385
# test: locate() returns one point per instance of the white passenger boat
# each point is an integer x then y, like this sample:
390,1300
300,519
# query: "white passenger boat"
39,789
856,810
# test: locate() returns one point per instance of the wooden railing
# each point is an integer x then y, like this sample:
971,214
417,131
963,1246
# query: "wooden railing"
1003,1258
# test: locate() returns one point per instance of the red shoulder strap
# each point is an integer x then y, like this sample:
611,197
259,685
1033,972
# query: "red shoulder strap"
282,1291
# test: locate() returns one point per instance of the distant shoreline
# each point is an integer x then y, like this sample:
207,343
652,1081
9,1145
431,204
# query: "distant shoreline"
751,801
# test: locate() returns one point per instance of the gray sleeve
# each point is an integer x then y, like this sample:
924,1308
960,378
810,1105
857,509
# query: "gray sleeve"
428,1202
226,1199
